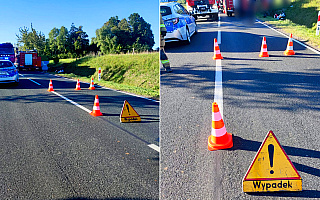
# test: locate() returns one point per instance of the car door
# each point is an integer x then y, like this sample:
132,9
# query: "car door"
190,21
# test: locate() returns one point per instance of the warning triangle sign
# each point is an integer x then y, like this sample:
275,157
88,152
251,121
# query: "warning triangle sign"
128,114
271,169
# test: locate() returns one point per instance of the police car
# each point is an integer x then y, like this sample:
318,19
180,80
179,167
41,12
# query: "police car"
8,72
179,23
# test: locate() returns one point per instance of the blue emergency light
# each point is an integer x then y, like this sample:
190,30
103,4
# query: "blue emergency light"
167,1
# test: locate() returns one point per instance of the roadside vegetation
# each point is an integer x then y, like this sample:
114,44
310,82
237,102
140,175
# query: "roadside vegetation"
301,20
133,73
116,49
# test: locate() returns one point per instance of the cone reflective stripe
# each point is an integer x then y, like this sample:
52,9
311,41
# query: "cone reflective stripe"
50,89
217,53
289,50
78,85
264,51
92,85
96,108
219,138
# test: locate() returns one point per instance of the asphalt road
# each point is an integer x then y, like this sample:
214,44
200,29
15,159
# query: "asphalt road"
52,149
278,93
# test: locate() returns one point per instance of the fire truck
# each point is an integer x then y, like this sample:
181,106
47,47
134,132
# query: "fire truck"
203,8
28,60
7,52
228,7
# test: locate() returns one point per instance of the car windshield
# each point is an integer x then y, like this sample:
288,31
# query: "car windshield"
4,64
165,10
201,2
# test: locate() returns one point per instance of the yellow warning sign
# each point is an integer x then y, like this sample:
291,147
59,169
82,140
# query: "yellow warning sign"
271,169
128,114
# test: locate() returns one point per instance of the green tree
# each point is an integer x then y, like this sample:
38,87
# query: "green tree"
31,40
141,31
117,36
62,40
77,41
53,44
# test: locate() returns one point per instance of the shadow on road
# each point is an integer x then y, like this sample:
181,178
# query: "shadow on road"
119,198
250,145
204,40
302,87
303,193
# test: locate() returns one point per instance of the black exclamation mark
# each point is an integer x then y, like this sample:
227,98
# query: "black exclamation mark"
271,152
128,108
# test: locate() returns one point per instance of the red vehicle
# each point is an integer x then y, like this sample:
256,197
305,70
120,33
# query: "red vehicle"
29,60
228,7
203,8
7,52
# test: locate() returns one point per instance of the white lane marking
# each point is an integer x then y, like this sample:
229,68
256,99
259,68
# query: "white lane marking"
297,41
21,75
155,147
219,37
218,92
33,81
112,89
152,146
74,103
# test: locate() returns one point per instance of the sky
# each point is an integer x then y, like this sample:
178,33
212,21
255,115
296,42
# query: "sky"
47,14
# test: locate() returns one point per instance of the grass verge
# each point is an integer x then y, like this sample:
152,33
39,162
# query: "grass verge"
301,21
137,74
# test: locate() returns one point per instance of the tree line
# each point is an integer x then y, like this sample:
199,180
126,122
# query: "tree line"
115,36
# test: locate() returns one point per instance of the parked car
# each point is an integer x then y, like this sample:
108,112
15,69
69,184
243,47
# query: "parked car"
179,23
8,72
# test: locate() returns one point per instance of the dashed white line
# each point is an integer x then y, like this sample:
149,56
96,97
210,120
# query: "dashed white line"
74,103
219,37
152,146
33,81
155,147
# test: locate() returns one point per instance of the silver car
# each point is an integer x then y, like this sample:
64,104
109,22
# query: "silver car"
179,23
8,72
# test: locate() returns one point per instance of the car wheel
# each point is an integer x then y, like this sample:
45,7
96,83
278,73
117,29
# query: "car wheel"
188,40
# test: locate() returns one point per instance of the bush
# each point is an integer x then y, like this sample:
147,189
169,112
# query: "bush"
55,60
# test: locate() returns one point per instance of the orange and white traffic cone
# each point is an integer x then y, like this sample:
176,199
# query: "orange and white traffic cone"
78,85
96,108
264,51
50,89
92,85
217,53
219,138
289,50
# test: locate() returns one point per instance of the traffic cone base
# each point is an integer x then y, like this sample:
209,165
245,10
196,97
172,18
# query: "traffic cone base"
264,54
223,142
96,113
92,88
289,53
